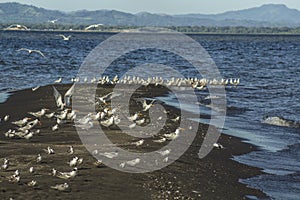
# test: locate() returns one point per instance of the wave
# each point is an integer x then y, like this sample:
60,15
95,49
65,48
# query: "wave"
280,121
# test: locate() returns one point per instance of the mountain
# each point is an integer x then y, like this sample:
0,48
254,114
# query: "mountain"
267,15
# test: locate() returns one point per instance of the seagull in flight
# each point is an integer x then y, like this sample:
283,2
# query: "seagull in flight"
93,26
53,21
30,51
64,37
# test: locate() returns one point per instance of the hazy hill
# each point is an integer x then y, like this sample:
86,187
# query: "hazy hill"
266,15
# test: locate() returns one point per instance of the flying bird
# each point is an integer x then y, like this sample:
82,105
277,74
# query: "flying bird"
66,38
30,51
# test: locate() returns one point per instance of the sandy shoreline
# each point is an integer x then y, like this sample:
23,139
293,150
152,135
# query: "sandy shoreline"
214,177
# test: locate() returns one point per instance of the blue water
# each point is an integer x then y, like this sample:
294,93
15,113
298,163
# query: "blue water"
269,68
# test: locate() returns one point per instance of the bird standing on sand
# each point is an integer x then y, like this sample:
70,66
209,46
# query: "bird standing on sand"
32,183
35,88
60,187
71,150
31,170
58,80
172,136
218,146
49,150
30,51
67,175
21,122
139,143
40,113
39,158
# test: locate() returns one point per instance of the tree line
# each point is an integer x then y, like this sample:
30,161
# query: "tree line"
184,29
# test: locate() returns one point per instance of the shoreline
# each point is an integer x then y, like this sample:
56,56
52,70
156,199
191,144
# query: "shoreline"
126,31
216,176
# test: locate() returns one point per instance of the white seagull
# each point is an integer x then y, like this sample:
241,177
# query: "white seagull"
30,51
67,97
64,37
60,187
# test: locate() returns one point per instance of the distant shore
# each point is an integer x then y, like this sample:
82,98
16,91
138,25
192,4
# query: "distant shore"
130,30
214,177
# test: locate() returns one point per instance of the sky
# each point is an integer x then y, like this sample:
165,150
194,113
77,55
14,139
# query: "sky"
156,6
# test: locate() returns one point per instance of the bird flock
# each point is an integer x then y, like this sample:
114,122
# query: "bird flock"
63,115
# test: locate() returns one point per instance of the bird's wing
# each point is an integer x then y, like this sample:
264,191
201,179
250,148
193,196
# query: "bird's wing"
68,95
39,52
57,97
23,49
145,104
107,96
61,35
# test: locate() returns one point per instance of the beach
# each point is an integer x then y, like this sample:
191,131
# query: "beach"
214,177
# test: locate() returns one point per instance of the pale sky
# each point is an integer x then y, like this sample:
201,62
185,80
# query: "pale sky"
156,6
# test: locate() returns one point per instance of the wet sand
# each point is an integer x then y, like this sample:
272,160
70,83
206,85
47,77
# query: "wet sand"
214,177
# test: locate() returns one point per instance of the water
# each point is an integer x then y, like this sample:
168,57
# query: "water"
269,68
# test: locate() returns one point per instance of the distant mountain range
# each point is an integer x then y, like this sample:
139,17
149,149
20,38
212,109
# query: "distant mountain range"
271,15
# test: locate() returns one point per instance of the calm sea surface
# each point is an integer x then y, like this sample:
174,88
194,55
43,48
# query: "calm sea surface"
268,66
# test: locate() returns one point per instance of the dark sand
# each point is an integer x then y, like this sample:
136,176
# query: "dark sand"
214,177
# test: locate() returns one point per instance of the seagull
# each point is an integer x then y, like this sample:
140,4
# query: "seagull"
67,97
75,161
31,170
108,122
6,118
87,126
50,115
110,155
30,51
17,26
165,152
147,106
108,97
93,26
55,127
98,163
71,150
139,143
131,126
53,172
28,136
39,158
40,113
53,21
219,146
35,88
67,175
60,187
172,136
176,119
140,122
160,140
17,173
49,150
14,179
64,37
58,80
32,183
131,163
21,122
133,117
5,164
